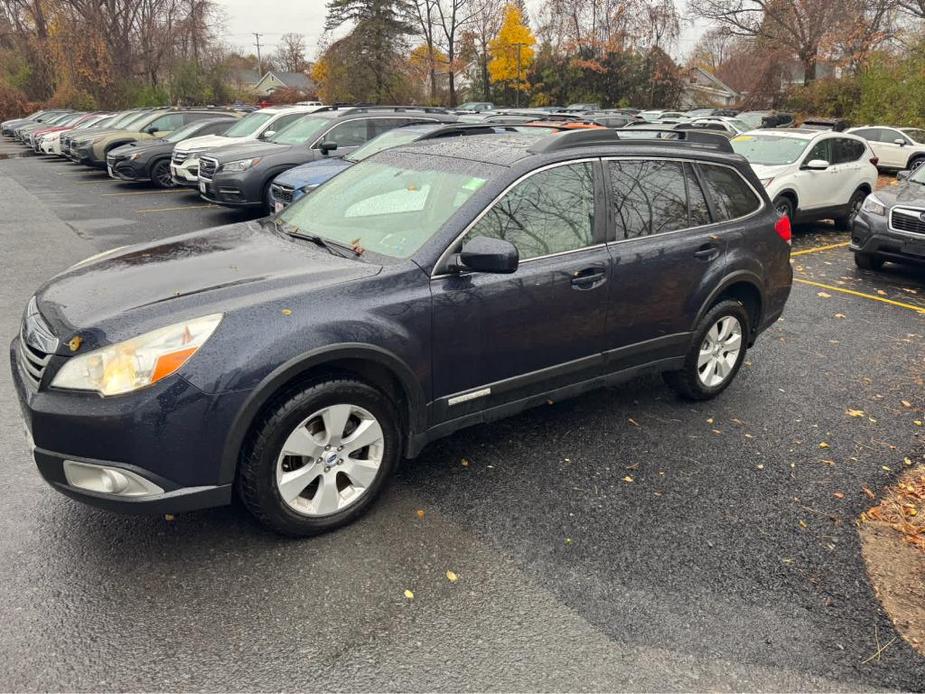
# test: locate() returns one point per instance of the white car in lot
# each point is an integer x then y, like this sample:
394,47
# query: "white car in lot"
811,174
259,125
896,148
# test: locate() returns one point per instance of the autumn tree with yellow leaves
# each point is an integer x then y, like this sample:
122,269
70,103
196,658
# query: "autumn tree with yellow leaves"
512,52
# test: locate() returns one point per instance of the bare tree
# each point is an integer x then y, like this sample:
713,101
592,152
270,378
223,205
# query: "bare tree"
290,53
454,16
484,24
422,14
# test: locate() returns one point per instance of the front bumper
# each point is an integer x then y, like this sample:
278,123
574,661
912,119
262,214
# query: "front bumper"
126,170
230,190
171,434
871,235
185,173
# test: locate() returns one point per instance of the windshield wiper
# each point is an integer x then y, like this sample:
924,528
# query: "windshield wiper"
331,247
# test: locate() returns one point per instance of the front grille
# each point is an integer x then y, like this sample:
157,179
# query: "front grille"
912,221
207,167
37,343
282,193
179,157
33,361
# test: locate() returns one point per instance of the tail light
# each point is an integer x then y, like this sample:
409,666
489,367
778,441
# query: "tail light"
782,227
875,160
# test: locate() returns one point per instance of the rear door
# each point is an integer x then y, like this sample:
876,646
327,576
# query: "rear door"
854,167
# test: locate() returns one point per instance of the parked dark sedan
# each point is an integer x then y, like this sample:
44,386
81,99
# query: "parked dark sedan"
240,175
149,160
433,286
891,224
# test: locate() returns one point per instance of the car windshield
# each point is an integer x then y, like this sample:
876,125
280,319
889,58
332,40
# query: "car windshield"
184,132
122,119
753,120
103,122
391,205
739,125
248,125
302,131
917,135
770,150
471,105
392,138
134,123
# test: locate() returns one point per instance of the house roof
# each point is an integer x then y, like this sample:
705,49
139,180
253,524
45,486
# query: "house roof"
245,76
714,82
295,80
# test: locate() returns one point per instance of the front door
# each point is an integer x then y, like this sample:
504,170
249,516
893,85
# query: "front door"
500,338
820,188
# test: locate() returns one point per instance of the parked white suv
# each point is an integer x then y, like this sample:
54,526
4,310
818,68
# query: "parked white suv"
896,148
811,174
259,125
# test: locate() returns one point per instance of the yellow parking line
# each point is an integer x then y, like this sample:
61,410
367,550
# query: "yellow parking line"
851,292
146,192
173,209
821,248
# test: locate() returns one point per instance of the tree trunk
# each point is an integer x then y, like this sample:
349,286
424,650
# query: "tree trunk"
809,67
486,84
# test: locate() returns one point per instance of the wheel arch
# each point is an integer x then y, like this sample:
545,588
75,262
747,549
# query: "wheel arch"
791,195
745,287
373,365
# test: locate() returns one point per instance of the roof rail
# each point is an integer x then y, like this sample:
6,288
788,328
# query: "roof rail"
372,107
601,137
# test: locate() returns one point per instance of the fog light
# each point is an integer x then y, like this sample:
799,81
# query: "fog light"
108,480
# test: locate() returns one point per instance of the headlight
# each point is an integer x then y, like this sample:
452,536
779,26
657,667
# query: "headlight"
240,164
766,181
309,188
139,362
874,205
134,156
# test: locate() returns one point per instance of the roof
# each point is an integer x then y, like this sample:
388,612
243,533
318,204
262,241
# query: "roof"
294,80
501,149
796,133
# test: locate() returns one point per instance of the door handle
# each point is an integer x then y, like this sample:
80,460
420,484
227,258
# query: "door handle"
708,251
589,277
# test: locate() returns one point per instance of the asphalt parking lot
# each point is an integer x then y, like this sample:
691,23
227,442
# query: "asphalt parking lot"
623,540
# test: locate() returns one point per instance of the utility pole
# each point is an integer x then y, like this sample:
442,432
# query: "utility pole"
259,64
518,46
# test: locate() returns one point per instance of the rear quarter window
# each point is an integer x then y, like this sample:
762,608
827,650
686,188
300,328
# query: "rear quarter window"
732,196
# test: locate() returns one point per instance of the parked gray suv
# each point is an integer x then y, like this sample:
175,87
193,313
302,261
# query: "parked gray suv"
240,175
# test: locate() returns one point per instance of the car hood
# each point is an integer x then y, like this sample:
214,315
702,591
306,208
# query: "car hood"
313,174
204,142
144,147
903,194
246,150
763,171
134,289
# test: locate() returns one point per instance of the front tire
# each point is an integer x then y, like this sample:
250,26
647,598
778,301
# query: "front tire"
160,174
845,222
784,207
319,458
868,261
716,353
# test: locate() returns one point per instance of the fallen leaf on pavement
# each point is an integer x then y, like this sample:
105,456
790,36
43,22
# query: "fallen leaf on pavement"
633,422
823,445
854,413
409,595
840,315
906,403
869,493
838,495
627,479
464,462
451,577
823,295
420,514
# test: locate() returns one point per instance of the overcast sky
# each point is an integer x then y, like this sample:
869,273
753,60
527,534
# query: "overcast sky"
243,17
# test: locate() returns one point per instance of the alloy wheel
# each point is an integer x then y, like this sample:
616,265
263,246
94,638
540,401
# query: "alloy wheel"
330,460
719,351
162,176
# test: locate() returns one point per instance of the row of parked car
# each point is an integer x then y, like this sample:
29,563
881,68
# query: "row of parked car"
271,157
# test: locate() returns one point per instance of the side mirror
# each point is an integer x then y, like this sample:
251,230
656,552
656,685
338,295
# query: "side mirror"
151,129
267,134
899,141
483,254
816,165
327,147
903,175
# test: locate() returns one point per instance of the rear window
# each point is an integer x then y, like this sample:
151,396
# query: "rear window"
732,196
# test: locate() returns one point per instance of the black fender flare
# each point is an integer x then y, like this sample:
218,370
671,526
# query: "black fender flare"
737,277
271,384
791,193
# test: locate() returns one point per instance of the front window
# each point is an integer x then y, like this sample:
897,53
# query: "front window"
739,125
917,135
184,132
248,125
390,206
303,130
769,150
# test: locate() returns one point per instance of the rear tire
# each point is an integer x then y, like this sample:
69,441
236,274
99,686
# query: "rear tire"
320,483
715,355
845,222
868,261
914,164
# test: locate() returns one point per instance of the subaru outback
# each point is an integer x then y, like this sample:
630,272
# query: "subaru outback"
296,359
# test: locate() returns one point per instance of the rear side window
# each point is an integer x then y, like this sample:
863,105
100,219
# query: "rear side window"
549,212
654,197
845,150
732,196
